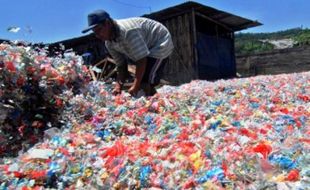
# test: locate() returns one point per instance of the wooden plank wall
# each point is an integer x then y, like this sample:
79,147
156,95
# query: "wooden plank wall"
180,67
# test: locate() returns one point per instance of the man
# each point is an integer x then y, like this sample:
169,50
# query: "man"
141,41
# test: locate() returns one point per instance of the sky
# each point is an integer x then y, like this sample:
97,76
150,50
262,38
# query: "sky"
50,21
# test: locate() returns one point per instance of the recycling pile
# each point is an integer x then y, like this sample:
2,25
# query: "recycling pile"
31,87
250,133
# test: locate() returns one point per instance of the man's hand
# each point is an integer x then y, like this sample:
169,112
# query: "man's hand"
133,90
117,89
140,69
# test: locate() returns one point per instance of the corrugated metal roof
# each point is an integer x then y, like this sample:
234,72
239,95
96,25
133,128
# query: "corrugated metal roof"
233,22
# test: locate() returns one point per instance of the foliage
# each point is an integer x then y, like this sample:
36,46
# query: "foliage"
247,43
252,46
303,38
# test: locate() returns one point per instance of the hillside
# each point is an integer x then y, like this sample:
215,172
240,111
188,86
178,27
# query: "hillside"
249,43
289,60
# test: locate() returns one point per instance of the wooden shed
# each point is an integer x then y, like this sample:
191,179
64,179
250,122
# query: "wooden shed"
81,45
203,38
204,41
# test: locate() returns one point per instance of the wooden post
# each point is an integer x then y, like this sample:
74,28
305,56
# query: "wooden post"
92,73
195,53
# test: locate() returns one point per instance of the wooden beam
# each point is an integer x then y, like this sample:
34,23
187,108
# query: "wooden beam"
111,60
208,18
110,74
100,62
195,43
164,17
92,74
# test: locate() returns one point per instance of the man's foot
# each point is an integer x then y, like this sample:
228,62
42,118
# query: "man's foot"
148,89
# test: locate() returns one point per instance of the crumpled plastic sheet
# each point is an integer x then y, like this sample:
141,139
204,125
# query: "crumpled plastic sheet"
250,133
31,88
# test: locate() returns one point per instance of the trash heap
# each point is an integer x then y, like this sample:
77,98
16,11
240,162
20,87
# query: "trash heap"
31,87
250,133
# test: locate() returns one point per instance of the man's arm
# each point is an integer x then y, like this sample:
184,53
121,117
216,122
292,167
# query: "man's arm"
121,66
120,78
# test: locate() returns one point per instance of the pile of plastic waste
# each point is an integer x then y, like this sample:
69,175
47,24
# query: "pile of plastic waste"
31,87
250,133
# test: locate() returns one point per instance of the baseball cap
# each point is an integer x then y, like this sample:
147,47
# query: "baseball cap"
96,18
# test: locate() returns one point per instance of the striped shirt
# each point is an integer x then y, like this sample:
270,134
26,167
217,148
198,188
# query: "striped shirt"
139,38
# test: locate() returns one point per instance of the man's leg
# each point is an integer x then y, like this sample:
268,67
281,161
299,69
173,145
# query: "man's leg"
152,75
